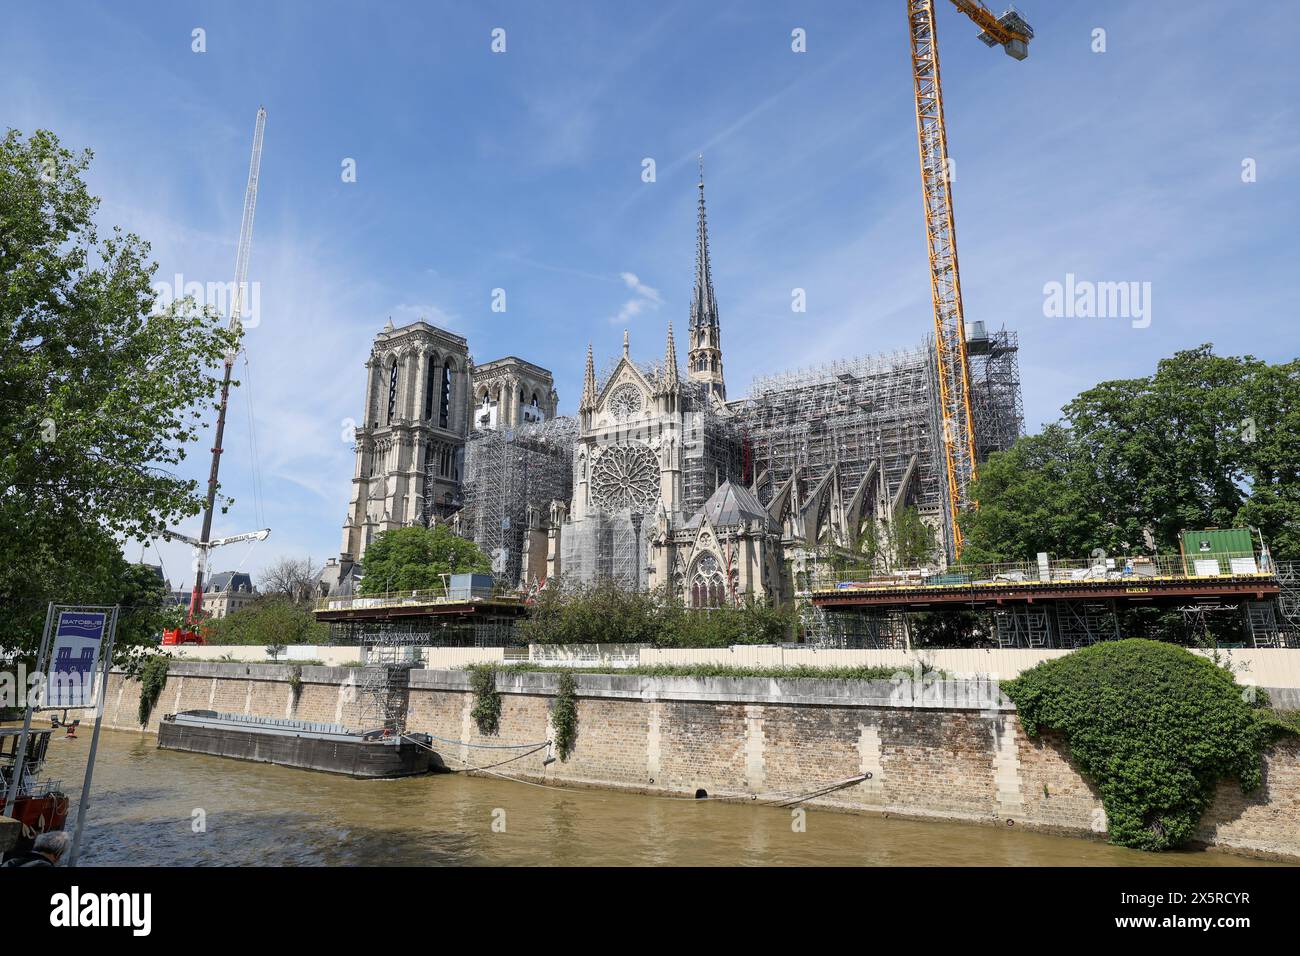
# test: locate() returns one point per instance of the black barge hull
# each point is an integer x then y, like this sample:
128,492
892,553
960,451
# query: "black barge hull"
351,756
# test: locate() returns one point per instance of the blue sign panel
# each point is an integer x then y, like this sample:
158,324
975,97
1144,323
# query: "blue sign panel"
78,637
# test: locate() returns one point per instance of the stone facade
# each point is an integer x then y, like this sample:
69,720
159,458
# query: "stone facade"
749,738
410,443
423,393
509,392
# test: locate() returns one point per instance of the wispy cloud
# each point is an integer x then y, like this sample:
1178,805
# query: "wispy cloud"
644,297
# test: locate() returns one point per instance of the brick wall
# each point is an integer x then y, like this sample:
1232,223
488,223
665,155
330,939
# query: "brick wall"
742,738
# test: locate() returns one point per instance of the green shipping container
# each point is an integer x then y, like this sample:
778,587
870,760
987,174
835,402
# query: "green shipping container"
1220,544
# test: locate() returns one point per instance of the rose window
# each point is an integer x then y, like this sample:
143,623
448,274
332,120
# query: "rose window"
626,476
625,402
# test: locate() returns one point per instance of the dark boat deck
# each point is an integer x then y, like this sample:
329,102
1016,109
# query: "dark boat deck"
302,744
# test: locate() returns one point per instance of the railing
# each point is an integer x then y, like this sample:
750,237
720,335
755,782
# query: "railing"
419,598
1137,568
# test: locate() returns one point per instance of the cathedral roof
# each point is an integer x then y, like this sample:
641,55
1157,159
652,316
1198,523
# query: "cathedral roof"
732,505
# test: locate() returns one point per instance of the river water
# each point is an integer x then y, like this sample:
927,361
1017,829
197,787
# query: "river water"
147,803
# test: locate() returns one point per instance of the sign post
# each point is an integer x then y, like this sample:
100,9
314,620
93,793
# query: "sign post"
76,653
101,697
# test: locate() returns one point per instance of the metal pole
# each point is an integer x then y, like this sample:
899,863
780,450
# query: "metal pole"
20,758
94,740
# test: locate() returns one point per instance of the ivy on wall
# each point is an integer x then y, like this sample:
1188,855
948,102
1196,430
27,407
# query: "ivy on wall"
487,699
1155,727
564,715
153,678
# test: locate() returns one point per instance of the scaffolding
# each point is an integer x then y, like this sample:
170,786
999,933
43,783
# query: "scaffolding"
995,389
507,472
876,417
440,631
860,629
1288,602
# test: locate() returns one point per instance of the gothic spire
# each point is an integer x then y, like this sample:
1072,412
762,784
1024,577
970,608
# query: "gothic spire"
704,348
704,308
589,382
670,360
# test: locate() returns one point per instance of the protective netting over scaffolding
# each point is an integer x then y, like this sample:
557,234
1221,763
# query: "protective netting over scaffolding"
874,421
511,477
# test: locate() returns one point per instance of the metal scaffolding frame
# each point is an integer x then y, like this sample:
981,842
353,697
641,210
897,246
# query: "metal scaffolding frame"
873,630
507,471
497,631
878,411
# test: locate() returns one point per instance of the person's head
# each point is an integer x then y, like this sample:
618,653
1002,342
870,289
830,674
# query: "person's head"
53,845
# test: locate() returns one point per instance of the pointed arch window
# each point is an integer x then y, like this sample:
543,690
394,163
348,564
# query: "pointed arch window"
392,391
708,586
444,402
429,387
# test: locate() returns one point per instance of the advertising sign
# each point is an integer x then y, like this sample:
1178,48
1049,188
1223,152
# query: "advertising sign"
78,638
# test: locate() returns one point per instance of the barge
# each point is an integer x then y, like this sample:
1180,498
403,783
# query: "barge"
304,744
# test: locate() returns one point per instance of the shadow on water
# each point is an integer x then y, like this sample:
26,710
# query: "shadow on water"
149,805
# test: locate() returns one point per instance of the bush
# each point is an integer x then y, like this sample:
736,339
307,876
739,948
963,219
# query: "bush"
1154,726
272,620
606,613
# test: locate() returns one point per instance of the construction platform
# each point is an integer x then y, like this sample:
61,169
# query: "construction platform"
985,593
1059,604
429,618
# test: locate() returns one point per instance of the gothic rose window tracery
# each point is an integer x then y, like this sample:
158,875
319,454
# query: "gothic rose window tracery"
626,476
625,402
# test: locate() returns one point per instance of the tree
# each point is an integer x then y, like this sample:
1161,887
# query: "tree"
99,395
1205,441
293,578
1033,497
271,620
416,558
912,541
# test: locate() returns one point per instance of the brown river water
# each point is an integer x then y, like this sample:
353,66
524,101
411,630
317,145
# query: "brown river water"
146,801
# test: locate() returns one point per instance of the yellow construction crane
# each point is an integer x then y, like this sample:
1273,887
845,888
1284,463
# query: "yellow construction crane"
1012,33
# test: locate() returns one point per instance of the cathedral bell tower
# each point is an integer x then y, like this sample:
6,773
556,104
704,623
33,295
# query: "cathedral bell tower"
704,358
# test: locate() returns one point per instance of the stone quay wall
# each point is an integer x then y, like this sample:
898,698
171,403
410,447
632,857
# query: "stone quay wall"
950,757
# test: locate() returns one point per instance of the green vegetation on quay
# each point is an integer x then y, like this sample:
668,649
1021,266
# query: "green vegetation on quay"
793,672
605,613
1155,727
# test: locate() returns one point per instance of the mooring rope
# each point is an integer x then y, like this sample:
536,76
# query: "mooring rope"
771,798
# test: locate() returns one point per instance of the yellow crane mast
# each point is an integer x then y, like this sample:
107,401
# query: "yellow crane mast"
1012,33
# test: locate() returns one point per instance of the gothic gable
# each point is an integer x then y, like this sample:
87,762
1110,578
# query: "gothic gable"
626,395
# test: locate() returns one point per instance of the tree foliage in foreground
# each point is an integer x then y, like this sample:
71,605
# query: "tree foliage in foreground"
1206,441
416,558
99,396
1153,726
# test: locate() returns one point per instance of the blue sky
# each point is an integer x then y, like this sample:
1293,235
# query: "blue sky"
522,171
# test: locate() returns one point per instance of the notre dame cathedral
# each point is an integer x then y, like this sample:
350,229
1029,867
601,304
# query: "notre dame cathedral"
661,481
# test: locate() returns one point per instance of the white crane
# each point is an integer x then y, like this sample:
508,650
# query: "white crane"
205,543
